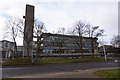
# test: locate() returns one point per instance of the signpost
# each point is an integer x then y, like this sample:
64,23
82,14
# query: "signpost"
104,48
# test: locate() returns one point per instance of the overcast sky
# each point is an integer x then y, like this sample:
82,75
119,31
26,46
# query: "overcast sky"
63,13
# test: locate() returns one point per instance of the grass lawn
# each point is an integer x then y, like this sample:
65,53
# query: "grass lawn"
18,61
111,74
11,79
69,60
25,61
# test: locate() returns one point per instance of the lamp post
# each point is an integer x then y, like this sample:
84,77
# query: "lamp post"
104,48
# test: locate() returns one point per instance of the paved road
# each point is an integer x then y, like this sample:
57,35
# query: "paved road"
54,68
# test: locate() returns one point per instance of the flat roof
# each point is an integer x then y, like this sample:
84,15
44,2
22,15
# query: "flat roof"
6,41
50,34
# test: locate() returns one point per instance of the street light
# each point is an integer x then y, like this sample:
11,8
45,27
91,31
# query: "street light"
104,48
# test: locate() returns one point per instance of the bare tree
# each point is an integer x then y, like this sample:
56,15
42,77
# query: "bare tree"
116,41
61,38
94,31
61,30
99,33
116,44
80,29
83,29
39,28
14,27
12,31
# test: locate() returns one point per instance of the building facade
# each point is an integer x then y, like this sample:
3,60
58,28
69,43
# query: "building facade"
109,50
19,51
65,44
6,49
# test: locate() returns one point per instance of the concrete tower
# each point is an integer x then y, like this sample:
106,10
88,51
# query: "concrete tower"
28,31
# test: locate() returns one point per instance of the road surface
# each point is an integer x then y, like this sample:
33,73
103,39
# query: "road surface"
47,69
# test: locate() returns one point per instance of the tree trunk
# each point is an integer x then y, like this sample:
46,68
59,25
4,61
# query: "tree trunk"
81,46
16,54
15,49
38,47
92,47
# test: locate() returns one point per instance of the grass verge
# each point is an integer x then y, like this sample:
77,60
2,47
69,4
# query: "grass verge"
109,74
68,60
17,61
11,79
25,61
